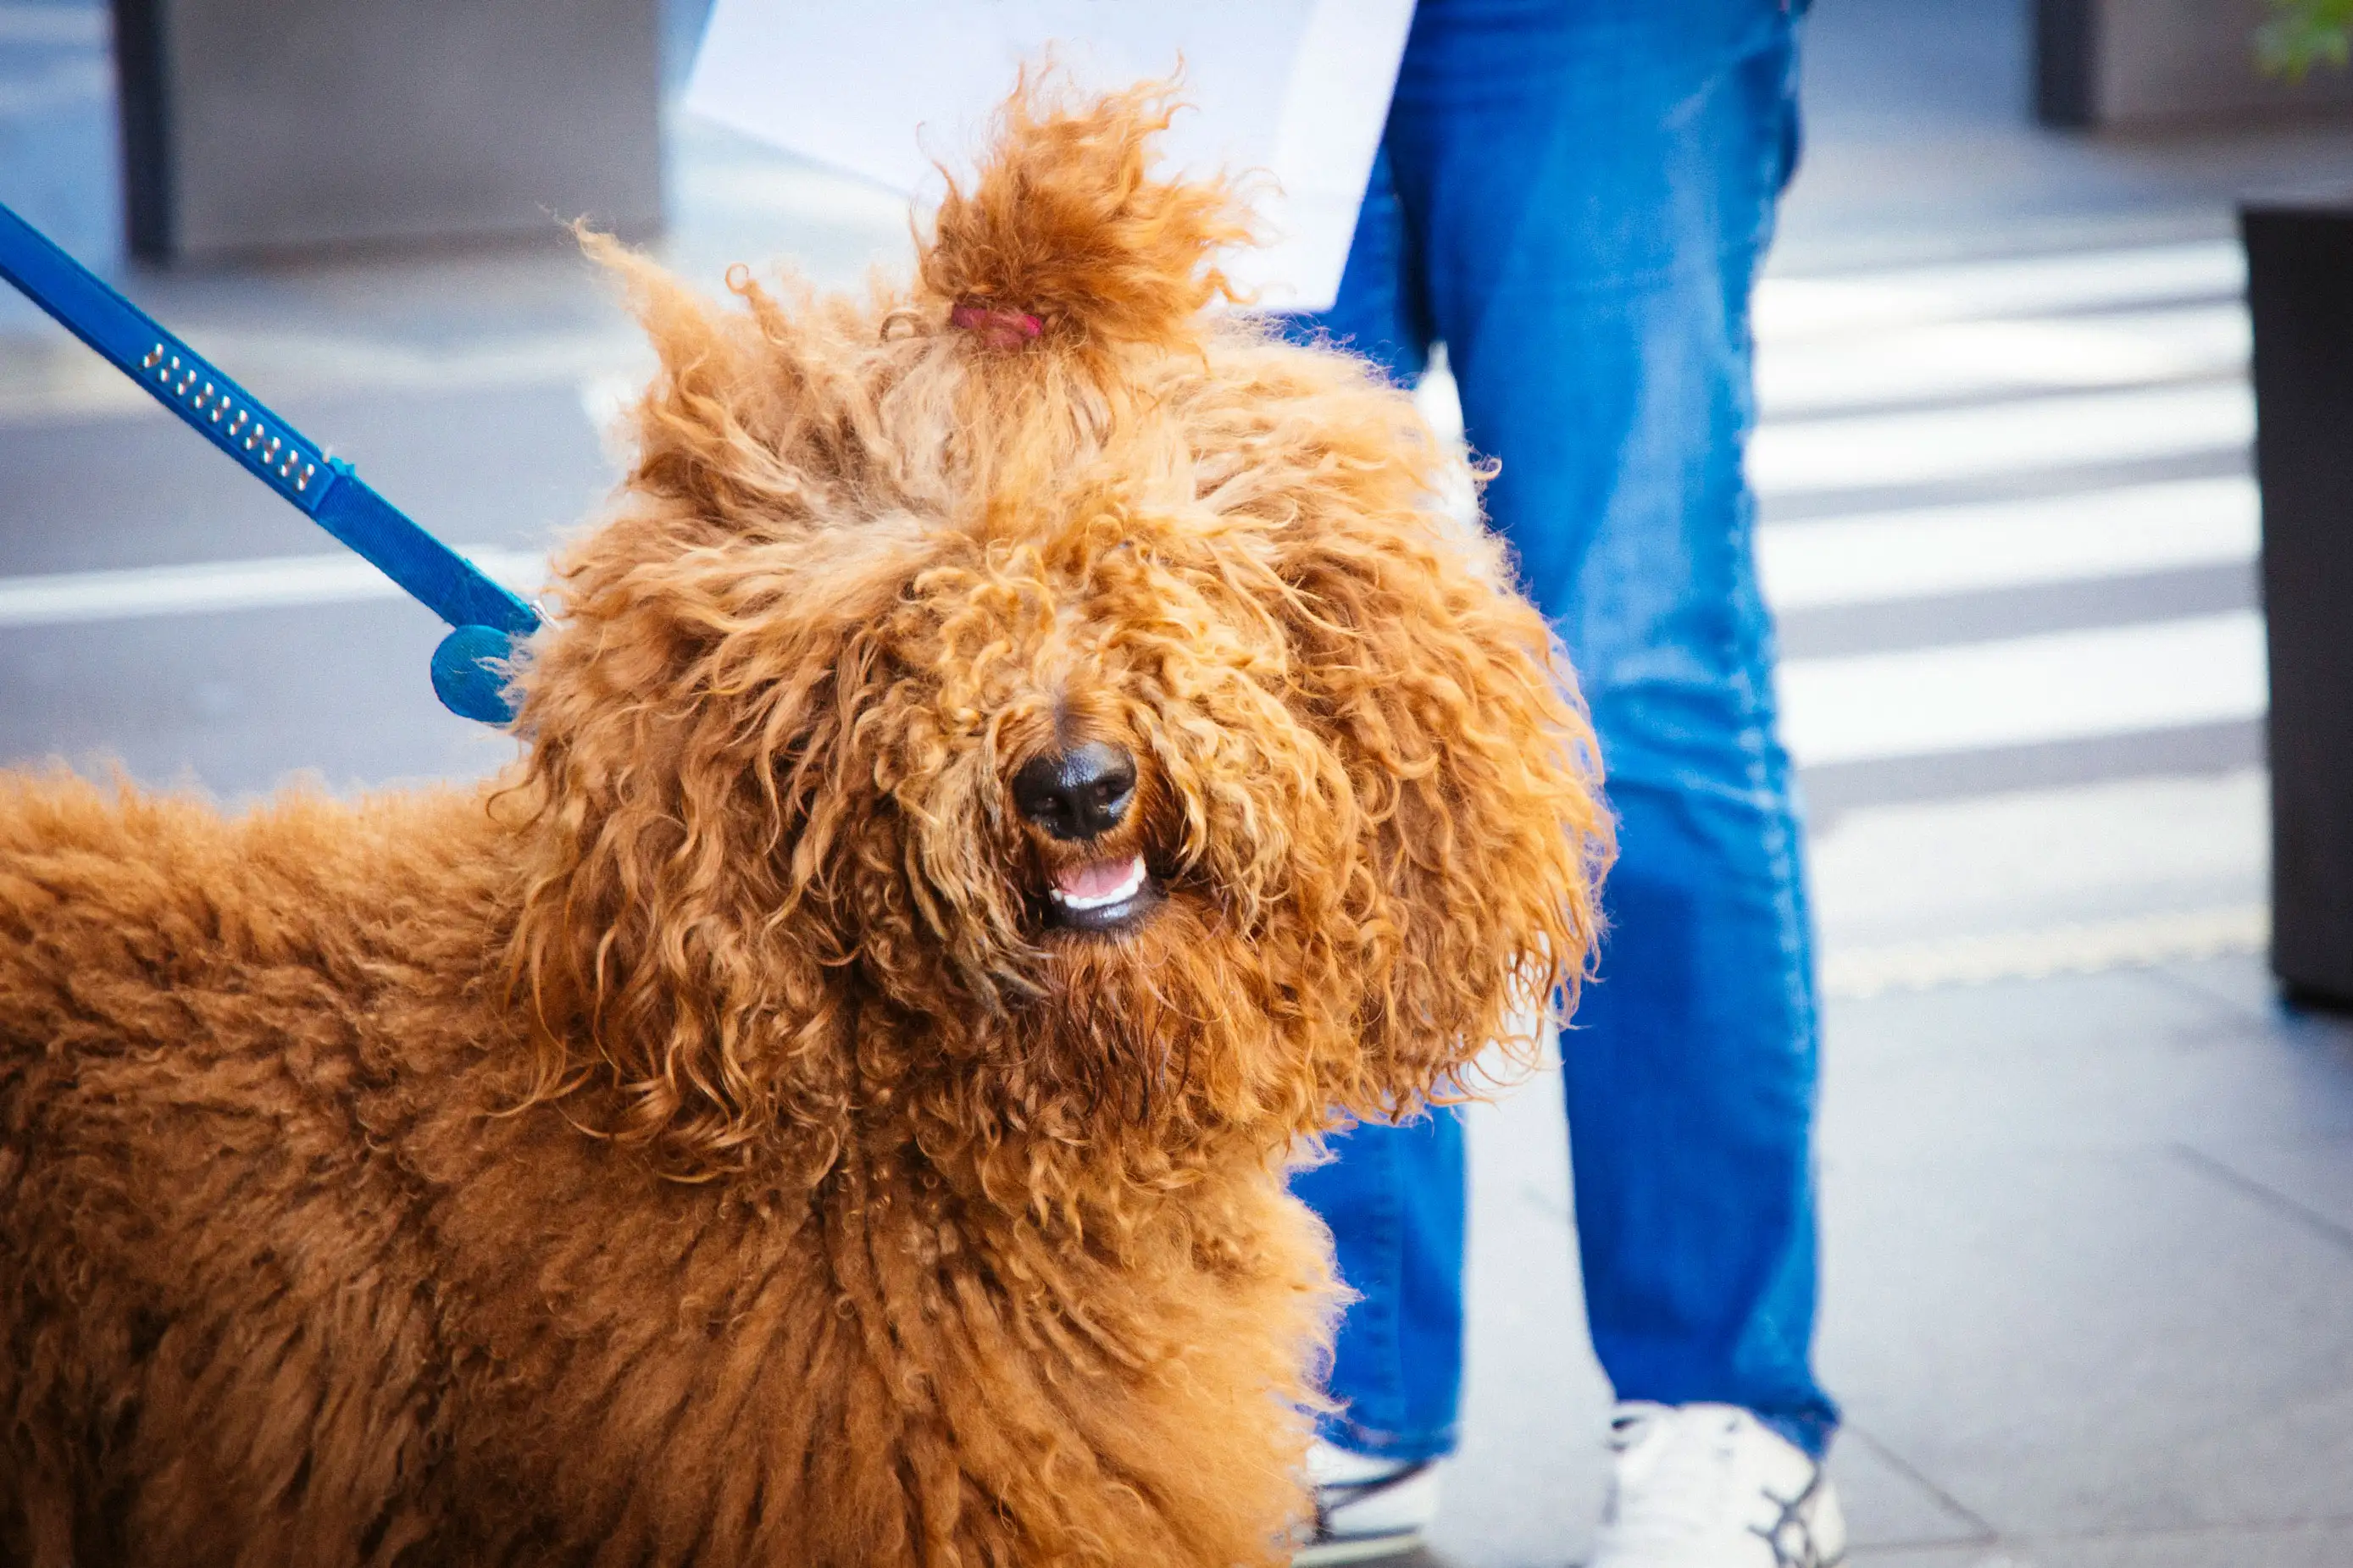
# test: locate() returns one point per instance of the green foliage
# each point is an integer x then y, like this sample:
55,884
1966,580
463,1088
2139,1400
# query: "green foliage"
2304,33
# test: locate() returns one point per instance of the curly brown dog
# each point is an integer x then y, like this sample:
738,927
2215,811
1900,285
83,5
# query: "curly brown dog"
1023,754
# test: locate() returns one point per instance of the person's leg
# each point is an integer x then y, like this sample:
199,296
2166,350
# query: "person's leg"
1394,1199
1382,312
1392,1196
1591,185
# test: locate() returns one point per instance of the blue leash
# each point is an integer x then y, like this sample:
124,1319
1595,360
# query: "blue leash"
486,617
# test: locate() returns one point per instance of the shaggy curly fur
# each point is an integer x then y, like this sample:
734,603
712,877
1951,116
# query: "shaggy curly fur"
696,1147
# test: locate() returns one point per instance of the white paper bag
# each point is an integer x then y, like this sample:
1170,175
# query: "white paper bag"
884,88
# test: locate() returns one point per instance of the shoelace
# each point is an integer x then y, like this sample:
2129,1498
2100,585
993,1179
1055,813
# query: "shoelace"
1333,1496
1791,1534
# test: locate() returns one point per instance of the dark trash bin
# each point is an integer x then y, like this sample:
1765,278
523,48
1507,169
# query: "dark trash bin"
273,125
2300,287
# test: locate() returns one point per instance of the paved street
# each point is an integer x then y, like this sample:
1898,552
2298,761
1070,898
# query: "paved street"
2088,1188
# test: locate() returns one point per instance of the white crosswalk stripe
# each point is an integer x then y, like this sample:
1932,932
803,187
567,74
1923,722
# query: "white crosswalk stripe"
1924,552
1955,360
61,598
2021,691
1979,441
2011,288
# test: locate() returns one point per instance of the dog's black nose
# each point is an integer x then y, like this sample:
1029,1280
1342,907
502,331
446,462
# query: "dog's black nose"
1080,794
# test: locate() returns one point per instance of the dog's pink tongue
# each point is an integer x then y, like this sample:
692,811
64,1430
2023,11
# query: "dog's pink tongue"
1094,882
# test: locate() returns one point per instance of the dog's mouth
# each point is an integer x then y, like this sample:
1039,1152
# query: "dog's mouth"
1101,895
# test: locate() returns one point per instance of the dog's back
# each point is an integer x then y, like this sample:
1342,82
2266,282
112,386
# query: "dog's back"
194,1115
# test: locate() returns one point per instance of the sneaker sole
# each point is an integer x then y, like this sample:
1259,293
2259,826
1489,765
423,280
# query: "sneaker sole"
1357,1549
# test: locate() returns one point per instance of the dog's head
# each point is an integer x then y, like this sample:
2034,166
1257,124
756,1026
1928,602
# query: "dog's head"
1036,713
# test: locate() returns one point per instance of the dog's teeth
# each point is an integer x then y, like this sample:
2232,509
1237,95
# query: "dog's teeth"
1128,886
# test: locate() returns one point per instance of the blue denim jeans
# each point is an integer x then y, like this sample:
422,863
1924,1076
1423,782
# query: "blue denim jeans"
1573,197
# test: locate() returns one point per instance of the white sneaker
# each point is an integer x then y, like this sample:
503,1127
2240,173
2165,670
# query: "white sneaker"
1710,1486
1366,1508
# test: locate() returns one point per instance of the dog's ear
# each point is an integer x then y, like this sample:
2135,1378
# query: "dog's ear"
694,829
758,421
1063,236
1468,753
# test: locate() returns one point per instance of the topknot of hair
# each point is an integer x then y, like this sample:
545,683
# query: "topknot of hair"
1065,226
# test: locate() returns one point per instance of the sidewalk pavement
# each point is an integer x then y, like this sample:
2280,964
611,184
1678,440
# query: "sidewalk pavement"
2088,1189
2088,1298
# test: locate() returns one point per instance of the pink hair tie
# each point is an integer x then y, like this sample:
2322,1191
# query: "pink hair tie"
997,329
